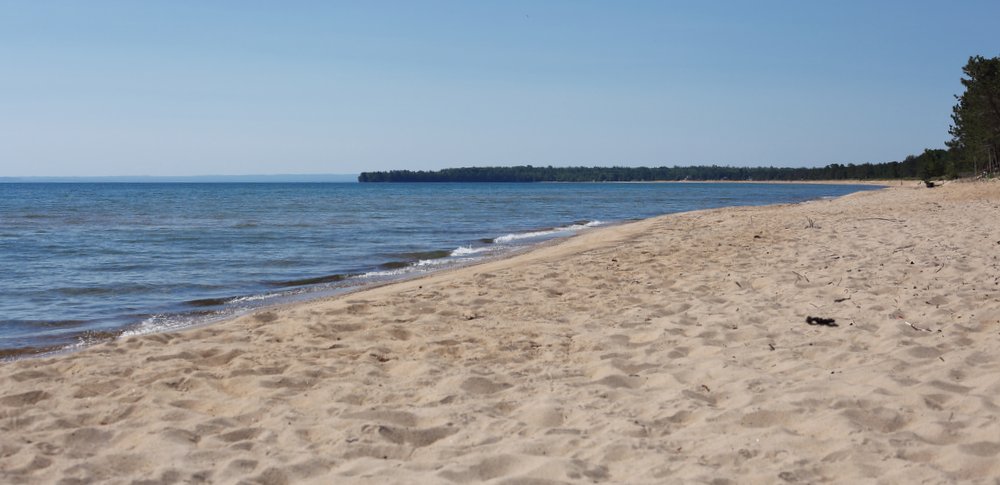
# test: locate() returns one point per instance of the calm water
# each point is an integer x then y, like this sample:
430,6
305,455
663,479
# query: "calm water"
86,262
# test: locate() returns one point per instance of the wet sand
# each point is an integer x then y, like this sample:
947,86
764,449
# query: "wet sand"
673,349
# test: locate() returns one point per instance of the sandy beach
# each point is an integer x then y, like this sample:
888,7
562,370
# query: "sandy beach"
670,350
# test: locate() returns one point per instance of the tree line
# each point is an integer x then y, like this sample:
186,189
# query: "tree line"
528,173
930,164
972,151
975,129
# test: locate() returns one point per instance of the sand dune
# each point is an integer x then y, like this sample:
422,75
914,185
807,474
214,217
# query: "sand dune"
674,349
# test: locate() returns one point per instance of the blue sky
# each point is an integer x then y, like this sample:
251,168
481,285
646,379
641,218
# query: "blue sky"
244,87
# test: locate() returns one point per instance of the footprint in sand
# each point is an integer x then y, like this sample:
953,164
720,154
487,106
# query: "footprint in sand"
417,438
765,418
482,385
982,448
24,399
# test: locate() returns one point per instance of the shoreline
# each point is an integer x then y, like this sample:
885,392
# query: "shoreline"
182,316
673,348
98,338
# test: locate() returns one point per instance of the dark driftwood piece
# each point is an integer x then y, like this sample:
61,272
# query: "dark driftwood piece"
826,322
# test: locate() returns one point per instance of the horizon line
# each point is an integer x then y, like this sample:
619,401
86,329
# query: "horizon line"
314,177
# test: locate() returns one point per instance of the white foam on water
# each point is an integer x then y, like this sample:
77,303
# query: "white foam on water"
467,250
524,235
244,299
159,323
508,238
379,274
418,266
434,262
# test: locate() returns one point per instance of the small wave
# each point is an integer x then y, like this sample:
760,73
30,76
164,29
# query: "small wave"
118,289
467,250
524,235
209,302
164,322
314,281
435,262
158,323
546,232
41,323
88,291
414,258
395,264
385,273
418,255
91,337
389,273
421,265
249,298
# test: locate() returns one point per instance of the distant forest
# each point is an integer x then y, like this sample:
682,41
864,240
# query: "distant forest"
972,151
927,165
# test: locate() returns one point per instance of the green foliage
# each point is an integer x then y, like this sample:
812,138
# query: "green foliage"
975,133
927,163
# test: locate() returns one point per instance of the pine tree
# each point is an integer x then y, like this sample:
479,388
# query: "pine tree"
976,129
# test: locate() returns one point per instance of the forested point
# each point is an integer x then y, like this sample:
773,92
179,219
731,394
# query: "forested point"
912,167
973,151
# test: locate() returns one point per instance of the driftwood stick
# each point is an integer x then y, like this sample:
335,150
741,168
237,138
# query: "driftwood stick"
879,219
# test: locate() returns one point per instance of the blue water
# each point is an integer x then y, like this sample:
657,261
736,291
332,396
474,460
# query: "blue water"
86,262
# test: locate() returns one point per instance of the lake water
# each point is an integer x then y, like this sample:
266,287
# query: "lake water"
81,263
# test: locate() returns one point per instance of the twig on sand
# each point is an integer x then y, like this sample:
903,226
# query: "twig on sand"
799,276
921,329
908,246
879,219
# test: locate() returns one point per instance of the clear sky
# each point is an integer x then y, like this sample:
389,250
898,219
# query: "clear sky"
189,87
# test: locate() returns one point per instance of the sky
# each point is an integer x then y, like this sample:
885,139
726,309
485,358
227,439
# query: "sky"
192,87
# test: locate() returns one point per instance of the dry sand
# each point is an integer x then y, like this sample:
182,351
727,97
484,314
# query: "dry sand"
673,349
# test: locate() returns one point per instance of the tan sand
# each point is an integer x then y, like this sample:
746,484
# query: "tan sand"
669,350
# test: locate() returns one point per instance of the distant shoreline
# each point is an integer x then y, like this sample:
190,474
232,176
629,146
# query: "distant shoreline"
908,169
